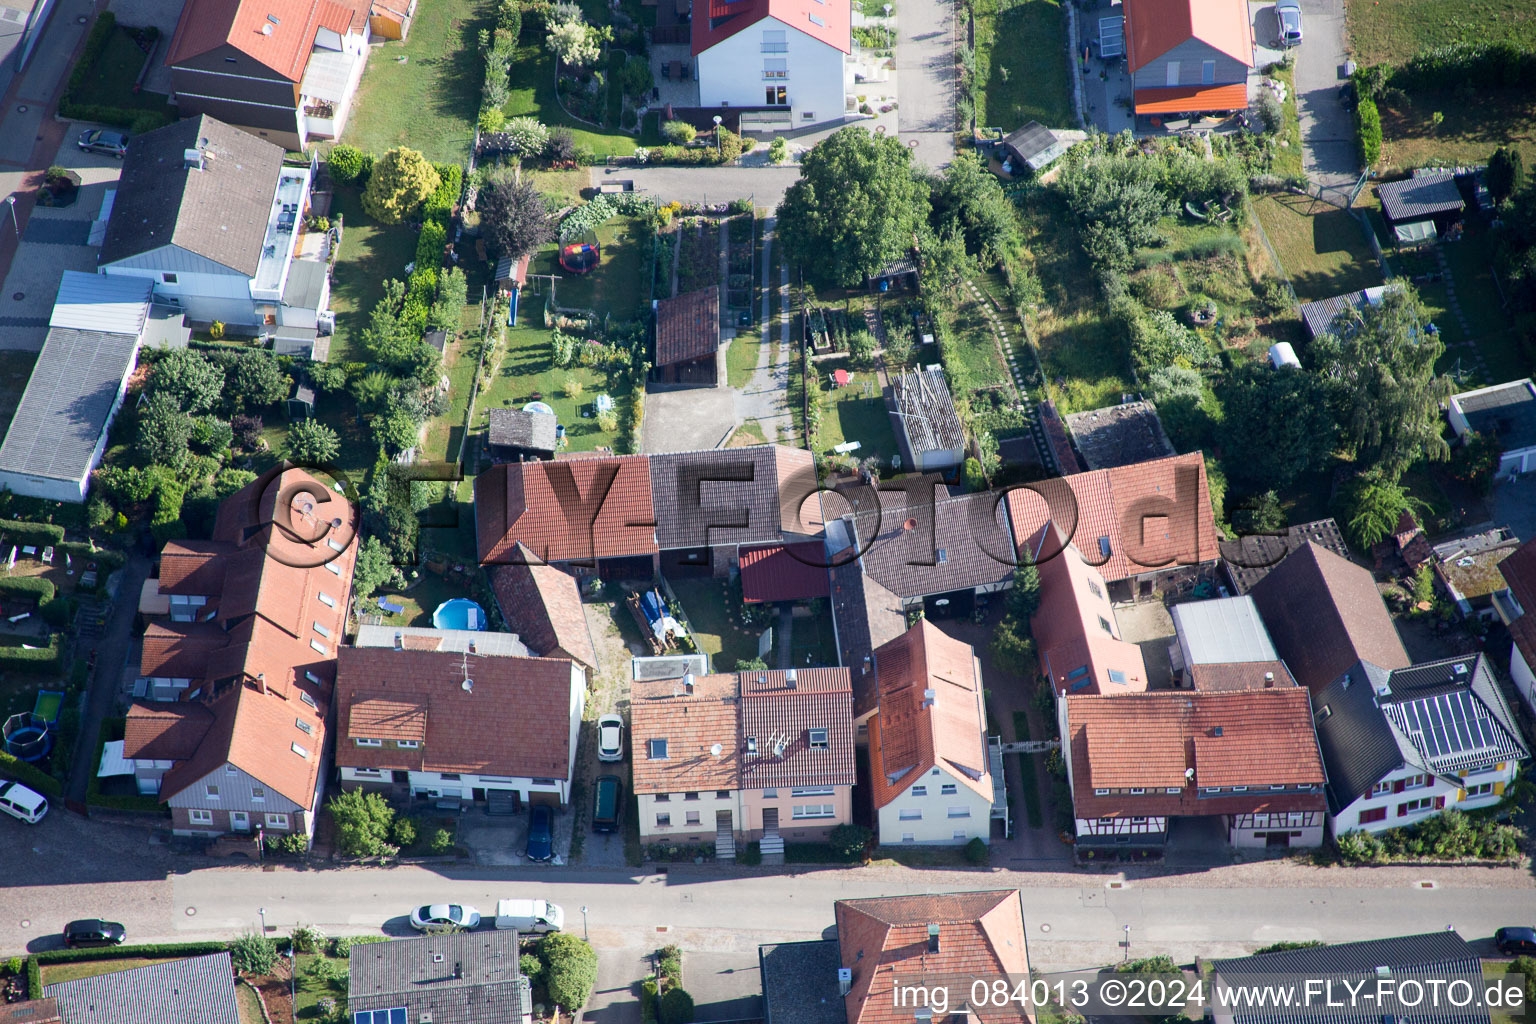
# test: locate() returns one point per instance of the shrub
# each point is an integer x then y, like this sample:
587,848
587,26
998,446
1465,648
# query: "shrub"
678,132
363,823
403,832
676,1007
401,181
570,969
17,532
492,119
346,165
440,841
253,954
1368,126
34,587
849,841
752,856
977,851
561,147
29,776
648,1000
529,965
527,135
307,938
34,661
778,150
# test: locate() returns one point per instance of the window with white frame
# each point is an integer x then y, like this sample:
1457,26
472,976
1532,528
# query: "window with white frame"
371,773
919,790
813,811
305,697
407,744
1101,792
812,791
1138,790
958,835
818,739
1416,781
662,798
664,819
317,647
277,821
948,789
1380,789
959,812
303,727
1482,789
198,816
910,814
364,742
775,67
774,41
213,791
322,631
1171,790
258,793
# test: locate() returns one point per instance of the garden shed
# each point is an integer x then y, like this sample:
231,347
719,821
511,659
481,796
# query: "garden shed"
1427,198
688,338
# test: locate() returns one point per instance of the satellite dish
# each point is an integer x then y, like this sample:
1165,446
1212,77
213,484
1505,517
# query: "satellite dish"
715,750
468,685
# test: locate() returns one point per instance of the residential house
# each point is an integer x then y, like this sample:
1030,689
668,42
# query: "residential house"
464,978
930,775
1222,644
1322,315
1441,958
687,751
58,430
1147,526
1119,435
210,215
1468,568
1419,207
1137,763
1250,557
1402,745
543,605
458,725
199,988
932,438
1076,635
1324,614
518,435
284,70
1506,412
688,339
781,62
239,671
1517,609
1188,56
865,617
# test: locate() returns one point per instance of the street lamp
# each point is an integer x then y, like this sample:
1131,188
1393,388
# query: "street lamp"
584,935
11,202
263,912
1127,942
887,12
717,133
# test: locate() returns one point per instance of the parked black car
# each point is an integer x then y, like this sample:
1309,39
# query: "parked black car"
606,803
541,833
1515,941
92,933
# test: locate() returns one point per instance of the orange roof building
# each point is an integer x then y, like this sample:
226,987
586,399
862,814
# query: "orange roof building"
1249,758
1076,636
1188,56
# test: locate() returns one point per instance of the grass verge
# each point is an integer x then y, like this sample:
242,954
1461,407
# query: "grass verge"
1021,59
1322,248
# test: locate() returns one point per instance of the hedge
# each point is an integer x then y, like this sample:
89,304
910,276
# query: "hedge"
32,778
28,586
117,117
95,46
105,558
1368,125
37,660
1479,64
34,979
18,532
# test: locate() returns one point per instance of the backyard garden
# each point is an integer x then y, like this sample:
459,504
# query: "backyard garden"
103,86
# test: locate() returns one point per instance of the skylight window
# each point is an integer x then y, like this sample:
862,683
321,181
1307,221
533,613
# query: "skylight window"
301,751
817,20
656,749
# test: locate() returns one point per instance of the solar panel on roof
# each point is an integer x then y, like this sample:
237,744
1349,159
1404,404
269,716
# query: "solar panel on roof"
397,1015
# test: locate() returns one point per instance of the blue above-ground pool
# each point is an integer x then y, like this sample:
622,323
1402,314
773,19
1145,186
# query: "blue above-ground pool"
459,613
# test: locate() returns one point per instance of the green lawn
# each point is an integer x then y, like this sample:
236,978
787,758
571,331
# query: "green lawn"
421,600
1021,59
527,369
813,642
249,1003
15,371
533,94
1391,31
429,100
370,254
716,628
616,286
337,411
110,82
853,414
1471,262
1321,247
1469,133
308,991
972,355
1287,162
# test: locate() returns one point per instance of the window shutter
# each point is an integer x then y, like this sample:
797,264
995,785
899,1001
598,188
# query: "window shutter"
1399,785
1461,794
1439,802
1498,789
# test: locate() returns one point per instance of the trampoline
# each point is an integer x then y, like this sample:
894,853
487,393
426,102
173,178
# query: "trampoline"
459,613
580,257
542,407
27,737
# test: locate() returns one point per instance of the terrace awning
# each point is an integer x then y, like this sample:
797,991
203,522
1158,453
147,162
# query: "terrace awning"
1190,99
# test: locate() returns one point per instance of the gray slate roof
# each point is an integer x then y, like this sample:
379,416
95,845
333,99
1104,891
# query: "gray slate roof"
1483,733
219,212
516,428
716,497
1433,955
198,990
927,412
1359,746
969,536
1121,435
418,974
800,982
1508,412
1420,196
1320,315
67,402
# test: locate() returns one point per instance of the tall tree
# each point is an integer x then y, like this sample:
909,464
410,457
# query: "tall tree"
401,181
968,197
514,217
855,208
165,430
1506,173
1381,362
1278,425
1372,504
191,378
254,379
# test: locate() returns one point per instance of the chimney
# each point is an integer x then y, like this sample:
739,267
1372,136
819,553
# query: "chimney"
933,938
844,980
261,682
929,696
471,647
1269,679
192,159
688,683
789,679
399,641
458,969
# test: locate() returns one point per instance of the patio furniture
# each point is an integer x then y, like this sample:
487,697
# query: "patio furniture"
675,69
391,607
29,550
48,555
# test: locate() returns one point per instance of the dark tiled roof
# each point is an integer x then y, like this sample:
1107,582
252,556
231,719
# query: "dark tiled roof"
542,604
1120,435
1507,412
867,616
927,413
219,212
729,495
969,545
1358,743
800,982
1473,728
784,572
1519,571
1249,559
1422,195
469,978
1031,140
819,699
688,327
518,428
198,990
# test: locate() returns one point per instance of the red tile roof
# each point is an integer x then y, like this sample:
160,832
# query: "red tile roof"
193,567
692,724
980,934
717,20
542,604
1075,628
1154,27
572,511
165,730
1152,740
514,720
1247,675
688,327
278,33
1149,515
1189,99
180,650
908,735
784,572
1519,571
771,708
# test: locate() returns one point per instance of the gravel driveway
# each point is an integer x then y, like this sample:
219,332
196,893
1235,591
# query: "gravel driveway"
1327,130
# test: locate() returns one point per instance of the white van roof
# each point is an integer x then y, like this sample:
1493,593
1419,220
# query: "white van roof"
22,797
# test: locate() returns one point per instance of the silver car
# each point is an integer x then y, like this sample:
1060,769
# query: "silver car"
440,917
610,738
1288,14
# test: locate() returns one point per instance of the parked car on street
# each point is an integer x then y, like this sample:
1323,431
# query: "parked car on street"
443,916
541,833
92,933
610,738
607,801
20,802
1288,14
1515,941
99,140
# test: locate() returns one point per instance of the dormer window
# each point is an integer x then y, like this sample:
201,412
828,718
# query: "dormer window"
364,742
818,739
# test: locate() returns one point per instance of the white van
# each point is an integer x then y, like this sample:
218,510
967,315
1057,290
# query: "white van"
529,915
20,802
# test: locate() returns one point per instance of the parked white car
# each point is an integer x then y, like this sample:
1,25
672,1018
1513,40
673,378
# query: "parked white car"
610,738
1288,14
20,802
444,916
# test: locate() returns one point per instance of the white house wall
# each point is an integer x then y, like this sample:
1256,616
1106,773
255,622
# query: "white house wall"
707,806
434,786
935,827
730,73
1525,679
206,290
1454,796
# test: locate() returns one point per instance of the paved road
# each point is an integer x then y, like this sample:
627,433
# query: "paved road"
763,185
925,79
1327,129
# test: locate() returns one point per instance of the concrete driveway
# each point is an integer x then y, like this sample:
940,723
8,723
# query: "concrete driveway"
763,185
925,79
1327,129
688,419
